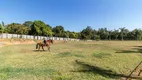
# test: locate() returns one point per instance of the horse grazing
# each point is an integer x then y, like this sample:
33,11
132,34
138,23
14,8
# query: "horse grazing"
41,44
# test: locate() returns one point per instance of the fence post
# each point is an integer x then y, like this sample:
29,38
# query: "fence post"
6,35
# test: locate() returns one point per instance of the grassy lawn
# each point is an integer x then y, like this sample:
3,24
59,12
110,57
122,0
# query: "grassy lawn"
96,60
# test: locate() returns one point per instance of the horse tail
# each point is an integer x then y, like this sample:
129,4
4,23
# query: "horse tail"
37,45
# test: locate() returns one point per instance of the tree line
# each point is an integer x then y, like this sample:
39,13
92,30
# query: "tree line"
39,28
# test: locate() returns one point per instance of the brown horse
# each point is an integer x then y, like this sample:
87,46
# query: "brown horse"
41,44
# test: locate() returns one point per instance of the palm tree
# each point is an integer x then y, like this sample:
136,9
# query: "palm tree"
122,32
110,34
2,26
137,33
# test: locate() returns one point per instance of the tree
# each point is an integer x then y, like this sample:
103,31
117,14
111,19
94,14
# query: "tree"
58,31
66,34
137,34
87,33
79,35
94,34
41,29
1,29
50,27
123,33
16,28
103,33
110,35
73,35
28,23
115,34
3,24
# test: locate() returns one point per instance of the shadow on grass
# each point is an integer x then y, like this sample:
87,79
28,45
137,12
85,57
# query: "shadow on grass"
40,50
128,51
138,46
98,70
69,54
136,49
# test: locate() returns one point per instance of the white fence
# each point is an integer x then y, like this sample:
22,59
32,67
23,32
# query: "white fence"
4,35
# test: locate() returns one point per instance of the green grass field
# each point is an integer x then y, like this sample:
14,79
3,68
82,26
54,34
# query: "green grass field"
96,60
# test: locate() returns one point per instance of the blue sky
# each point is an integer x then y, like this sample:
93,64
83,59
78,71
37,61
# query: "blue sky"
75,15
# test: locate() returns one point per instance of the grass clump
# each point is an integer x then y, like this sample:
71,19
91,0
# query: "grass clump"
64,54
79,55
100,55
69,54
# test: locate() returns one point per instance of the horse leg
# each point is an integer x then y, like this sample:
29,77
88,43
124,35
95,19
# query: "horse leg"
39,48
42,48
37,45
48,48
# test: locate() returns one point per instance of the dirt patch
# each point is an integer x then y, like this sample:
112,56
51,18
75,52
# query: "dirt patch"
57,41
4,42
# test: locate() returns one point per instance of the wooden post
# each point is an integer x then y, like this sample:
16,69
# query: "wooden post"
140,73
133,70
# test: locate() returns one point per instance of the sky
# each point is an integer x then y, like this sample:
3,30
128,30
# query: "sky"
75,15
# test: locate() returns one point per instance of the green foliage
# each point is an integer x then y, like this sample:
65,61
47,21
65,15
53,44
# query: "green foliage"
3,24
66,34
40,28
69,34
50,27
138,34
123,33
58,31
1,29
97,37
103,32
28,23
87,33
16,28
73,35
115,34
